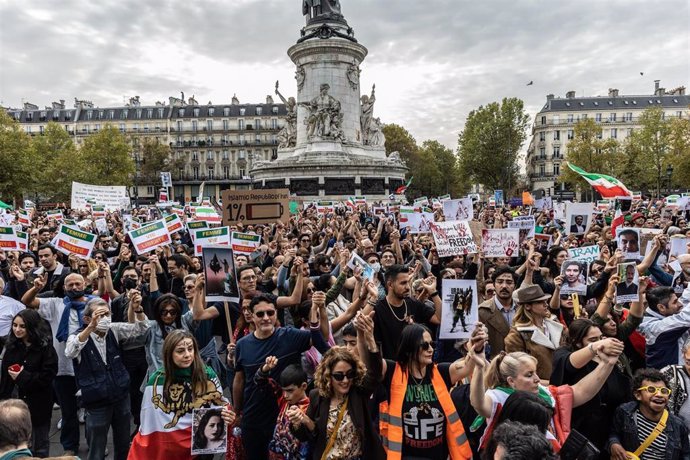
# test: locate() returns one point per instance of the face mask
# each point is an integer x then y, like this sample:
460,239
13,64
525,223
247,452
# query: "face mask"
129,283
74,294
103,324
376,266
176,242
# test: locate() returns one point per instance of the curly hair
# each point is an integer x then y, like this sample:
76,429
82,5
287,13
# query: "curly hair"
322,376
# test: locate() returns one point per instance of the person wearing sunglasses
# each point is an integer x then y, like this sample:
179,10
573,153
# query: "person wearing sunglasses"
645,428
338,422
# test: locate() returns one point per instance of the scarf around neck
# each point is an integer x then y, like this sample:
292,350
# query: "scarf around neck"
542,393
63,328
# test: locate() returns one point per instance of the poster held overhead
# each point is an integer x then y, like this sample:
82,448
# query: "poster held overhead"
453,238
458,209
499,242
574,275
459,310
627,289
578,218
220,274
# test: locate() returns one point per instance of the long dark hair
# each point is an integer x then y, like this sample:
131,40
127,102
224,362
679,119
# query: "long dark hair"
200,440
36,328
577,331
550,261
408,347
167,299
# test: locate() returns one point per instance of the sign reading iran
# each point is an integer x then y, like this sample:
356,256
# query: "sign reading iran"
173,222
70,240
453,238
211,237
245,243
110,196
149,237
8,240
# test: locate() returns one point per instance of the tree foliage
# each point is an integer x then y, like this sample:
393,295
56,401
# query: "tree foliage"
58,163
488,147
679,151
17,164
107,158
156,157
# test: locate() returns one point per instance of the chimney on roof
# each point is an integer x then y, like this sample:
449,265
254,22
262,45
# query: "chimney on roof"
235,101
660,91
656,86
680,91
269,99
549,97
59,105
570,94
613,92
30,106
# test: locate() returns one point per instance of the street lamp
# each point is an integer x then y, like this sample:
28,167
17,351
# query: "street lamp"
136,177
669,174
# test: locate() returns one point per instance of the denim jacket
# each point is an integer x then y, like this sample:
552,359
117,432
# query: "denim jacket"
624,432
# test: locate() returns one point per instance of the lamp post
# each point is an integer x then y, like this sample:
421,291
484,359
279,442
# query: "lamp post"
136,179
669,174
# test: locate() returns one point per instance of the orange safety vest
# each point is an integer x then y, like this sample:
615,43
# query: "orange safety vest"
390,415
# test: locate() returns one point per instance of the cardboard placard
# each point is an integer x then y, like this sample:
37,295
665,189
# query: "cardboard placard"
256,206
453,238
500,242
72,241
221,278
149,237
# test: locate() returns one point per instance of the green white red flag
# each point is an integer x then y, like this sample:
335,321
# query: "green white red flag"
606,186
70,240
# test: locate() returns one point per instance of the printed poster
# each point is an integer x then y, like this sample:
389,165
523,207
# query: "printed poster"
628,287
525,226
420,222
574,273
578,218
647,239
110,196
678,246
500,242
628,241
69,240
244,243
367,270
460,209
149,237
221,278
543,241
209,433
173,223
453,238
8,239
459,310
211,237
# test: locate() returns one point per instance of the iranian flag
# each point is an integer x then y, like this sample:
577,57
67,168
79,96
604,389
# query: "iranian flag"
350,203
400,190
607,186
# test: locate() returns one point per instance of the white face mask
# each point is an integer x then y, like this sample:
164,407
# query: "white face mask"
376,267
103,324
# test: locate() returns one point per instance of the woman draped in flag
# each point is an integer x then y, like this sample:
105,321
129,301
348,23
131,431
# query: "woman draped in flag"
183,384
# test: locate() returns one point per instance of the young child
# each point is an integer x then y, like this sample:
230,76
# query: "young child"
290,393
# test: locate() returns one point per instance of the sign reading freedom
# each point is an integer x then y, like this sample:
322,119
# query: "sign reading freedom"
256,206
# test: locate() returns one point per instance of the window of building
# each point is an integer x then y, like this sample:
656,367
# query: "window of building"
209,155
257,123
226,125
679,114
226,172
542,153
56,115
556,152
275,109
111,114
196,112
583,116
612,116
194,125
243,172
258,111
543,120
40,129
600,135
557,135
570,118
226,111
122,127
149,113
242,154
274,124
542,136
274,154
597,117
180,172
146,126
241,124
136,126
195,172
209,125
225,155
630,131
28,129
556,169
68,115
179,126
614,133
180,113
138,114
195,156
161,112
258,139
98,127
211,171
542,170
571,134
149,190
89,114
242,111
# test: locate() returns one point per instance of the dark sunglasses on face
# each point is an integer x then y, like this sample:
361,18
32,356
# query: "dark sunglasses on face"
168,313
340,376
491,291
261,314
426,345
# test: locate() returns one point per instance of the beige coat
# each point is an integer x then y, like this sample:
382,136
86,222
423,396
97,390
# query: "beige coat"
496,324
531,340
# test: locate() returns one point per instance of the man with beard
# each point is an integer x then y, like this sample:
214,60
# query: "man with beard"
497,313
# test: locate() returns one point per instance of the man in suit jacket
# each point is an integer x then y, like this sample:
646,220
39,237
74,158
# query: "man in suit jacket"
497,313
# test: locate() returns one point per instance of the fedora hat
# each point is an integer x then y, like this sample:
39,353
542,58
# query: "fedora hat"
531,294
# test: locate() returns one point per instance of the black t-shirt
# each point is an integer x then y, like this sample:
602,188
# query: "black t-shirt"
390,322
424,423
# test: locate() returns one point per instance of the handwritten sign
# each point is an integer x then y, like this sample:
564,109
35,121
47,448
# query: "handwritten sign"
453,238
110,196
587,254
499,242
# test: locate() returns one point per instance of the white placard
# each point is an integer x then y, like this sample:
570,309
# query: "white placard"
458,209
578,218
110,196
453,238
500,242
459,311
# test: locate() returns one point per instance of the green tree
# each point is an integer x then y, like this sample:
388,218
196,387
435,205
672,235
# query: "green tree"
448,176
107,158
651,142
488,147
17,164
398,139
679,151
590,152
156,157
53,150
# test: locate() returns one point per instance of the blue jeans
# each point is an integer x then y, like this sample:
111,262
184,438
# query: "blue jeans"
65,389
98,422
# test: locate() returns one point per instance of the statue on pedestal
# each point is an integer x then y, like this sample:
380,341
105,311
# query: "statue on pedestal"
367,115
287,137
376,137
321,9
325,118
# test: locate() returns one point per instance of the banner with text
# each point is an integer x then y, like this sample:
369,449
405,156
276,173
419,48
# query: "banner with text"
149,237
453,238
245,243
499,242
72,241
210,237
256,206
110,196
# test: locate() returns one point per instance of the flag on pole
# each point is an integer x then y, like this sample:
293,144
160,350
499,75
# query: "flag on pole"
607,186
350,203
400,190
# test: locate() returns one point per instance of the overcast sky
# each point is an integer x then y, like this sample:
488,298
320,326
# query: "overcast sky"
432,61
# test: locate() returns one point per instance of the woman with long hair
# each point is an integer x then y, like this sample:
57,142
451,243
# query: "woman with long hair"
417,388
183,384
30,365
210,432
338,421
575,361
493,383
552,265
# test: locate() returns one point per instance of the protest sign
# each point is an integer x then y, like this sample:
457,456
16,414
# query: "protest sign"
421,201
98,211
603,205
544,242
458,209
6,219
453,238
628,241
367,270
211,237
627,288
70,240
193,225
419,222
54,214
559,211
498,197
166,180
578,218
678,246
8,239
500,242
221,279
360,200
101,226
637,196
256,206
525,226
207,214
325,207
459,309
110,196
647,239
23,218
244,243
150,236
22,240
574,273
443,198
173,223
586,254
207,441
177,210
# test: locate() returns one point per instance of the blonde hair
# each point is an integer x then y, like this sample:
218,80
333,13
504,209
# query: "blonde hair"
506,365
522,316
322,376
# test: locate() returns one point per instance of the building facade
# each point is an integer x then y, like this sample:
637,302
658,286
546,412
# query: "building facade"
215,143
617,114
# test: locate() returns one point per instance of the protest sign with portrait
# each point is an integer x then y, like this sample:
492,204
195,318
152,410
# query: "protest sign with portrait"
578,218
460,209
627,289
219,271
574,273
209,433
628,241
459,313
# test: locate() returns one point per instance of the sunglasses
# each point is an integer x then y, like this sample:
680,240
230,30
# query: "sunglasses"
654,390
491,291
340,376
188,288
168,313
425,346
305,240
269,313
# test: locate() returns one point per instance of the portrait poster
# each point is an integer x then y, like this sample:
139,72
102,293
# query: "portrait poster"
500,242
574,273
647,239
367,270
460,209
453,238
209,433
628,287
543,241
578,218
219,270
420,222
459,310
628,241
525,225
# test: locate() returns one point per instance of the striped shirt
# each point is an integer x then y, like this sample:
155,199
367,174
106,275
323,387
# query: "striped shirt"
657,449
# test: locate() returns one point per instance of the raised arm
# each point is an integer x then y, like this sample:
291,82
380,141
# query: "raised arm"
199,310
29,298
460,370
366,343
429,284
589,386
481,402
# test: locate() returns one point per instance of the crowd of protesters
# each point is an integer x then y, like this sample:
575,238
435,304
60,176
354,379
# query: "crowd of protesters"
317,361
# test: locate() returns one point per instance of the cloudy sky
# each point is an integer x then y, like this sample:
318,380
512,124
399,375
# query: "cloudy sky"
432,61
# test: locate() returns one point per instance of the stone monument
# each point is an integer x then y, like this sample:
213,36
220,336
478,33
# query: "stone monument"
331,146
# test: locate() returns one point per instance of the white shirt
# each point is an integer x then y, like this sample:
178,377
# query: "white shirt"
123,333
51,309
8,308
